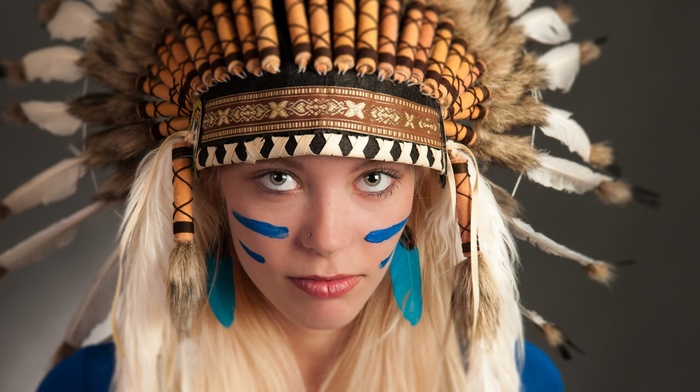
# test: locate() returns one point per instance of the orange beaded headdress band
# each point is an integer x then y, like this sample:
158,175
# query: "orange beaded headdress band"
391,80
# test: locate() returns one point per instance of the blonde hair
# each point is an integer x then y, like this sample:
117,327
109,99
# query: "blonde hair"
383,352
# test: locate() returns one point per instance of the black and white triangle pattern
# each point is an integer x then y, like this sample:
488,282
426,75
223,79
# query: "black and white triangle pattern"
320,143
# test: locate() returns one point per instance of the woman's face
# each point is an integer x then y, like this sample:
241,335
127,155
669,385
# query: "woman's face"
300,228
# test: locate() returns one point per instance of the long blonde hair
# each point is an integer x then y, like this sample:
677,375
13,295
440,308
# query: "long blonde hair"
383,352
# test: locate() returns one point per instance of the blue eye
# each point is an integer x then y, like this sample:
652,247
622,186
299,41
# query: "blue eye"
278,181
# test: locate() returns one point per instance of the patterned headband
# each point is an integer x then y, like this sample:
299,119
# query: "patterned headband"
326,115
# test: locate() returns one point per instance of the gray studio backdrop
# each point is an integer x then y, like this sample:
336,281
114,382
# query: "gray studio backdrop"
641,335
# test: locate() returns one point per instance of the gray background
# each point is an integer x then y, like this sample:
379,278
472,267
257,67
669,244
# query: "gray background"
641,95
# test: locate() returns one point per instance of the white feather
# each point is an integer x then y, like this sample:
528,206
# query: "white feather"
73,20
491,364
562,174
47,240
54,63
51,116
561,127
96,303
53,184
517,7
104,5
561,65
525,232
544,25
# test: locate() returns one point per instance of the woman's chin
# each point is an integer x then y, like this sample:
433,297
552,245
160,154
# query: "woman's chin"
322,317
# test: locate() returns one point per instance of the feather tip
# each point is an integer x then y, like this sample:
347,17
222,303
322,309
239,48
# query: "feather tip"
590,51
15,72
47,10
646,197
556,338
5,212
602,155
14,113
614,192
566,13
601,272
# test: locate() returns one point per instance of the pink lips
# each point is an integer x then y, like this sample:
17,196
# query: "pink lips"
326,287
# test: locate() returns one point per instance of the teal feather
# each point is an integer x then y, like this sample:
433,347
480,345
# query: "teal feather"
406,279
220,288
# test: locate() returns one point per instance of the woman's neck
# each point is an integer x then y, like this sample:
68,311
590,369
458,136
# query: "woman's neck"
315,351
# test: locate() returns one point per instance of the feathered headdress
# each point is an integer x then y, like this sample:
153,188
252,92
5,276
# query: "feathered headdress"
441,85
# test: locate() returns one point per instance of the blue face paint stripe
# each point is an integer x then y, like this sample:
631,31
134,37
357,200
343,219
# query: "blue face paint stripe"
385,261
252,254
382,235
264,228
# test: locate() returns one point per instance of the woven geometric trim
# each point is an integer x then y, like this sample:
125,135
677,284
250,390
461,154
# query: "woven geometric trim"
308,108
319,143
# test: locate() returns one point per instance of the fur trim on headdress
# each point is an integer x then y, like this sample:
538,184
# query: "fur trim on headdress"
105,109
116,188
118,144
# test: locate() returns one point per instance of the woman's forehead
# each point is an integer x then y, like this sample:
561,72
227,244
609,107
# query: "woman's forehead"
311,162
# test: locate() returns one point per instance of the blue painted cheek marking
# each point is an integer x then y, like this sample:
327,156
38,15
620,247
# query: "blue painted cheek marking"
252,254
383,263
264,228
382,235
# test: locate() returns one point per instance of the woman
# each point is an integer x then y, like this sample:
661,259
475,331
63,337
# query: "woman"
315,209
313,302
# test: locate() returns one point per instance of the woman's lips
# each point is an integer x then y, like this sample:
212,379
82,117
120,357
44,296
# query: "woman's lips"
326,287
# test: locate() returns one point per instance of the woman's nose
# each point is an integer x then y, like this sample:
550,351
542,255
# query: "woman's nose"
328,226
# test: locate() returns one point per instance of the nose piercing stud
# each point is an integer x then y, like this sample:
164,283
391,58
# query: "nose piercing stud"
308,235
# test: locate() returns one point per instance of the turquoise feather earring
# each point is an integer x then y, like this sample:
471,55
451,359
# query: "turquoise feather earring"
406,278
220,288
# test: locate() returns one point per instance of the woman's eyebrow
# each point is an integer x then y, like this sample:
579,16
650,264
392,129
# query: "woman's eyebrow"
364,163
287,162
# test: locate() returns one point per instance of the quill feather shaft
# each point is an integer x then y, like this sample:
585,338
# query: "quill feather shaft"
525,232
